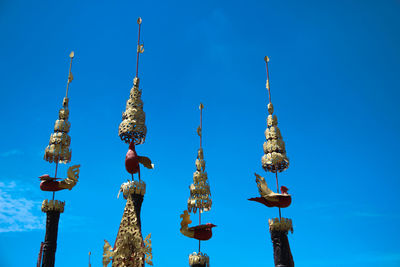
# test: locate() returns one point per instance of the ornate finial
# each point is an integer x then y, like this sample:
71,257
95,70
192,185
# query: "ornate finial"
70,76
200,128
200,189
58,149
266,59
132,127
274,159
140,48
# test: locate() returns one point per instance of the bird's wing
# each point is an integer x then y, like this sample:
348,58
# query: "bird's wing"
263,187
145,161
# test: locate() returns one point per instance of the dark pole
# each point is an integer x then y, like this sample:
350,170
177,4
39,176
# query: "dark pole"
53,210
137,203
282,254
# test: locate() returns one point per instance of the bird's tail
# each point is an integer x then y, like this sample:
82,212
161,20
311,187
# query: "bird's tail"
262,186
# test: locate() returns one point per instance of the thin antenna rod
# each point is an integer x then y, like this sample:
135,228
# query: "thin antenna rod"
139,47
55,176
201,122
70,77
266,59
201,106
277,189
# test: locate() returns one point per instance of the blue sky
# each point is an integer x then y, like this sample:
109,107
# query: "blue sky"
335,88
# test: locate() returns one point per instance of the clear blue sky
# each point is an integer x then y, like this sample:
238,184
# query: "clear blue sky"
335,86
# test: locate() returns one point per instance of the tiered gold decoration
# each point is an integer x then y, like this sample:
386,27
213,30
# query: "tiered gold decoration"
274,159
58,149
200,189
132,127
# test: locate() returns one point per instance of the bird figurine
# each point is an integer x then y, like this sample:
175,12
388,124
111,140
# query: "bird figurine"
132,160
268,197
201,232
51,184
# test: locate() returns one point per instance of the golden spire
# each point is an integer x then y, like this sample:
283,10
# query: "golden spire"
274,159
58,149
133,128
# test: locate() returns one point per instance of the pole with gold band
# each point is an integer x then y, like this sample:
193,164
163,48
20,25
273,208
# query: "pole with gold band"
275,160
199,200
58,151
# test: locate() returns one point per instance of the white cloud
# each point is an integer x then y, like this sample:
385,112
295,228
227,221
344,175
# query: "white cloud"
13,152
17,213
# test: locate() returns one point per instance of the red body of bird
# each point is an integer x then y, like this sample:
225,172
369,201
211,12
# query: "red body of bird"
49,184
284,201
132,160
202,232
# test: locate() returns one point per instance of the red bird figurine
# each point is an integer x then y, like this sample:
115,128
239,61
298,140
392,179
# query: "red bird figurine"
51,184
132,160
270,198
200,232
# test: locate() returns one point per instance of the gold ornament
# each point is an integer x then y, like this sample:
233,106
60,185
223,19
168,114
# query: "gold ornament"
283,225
53,205
58,150
200,189
130,250
274,158
199,259
132,127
